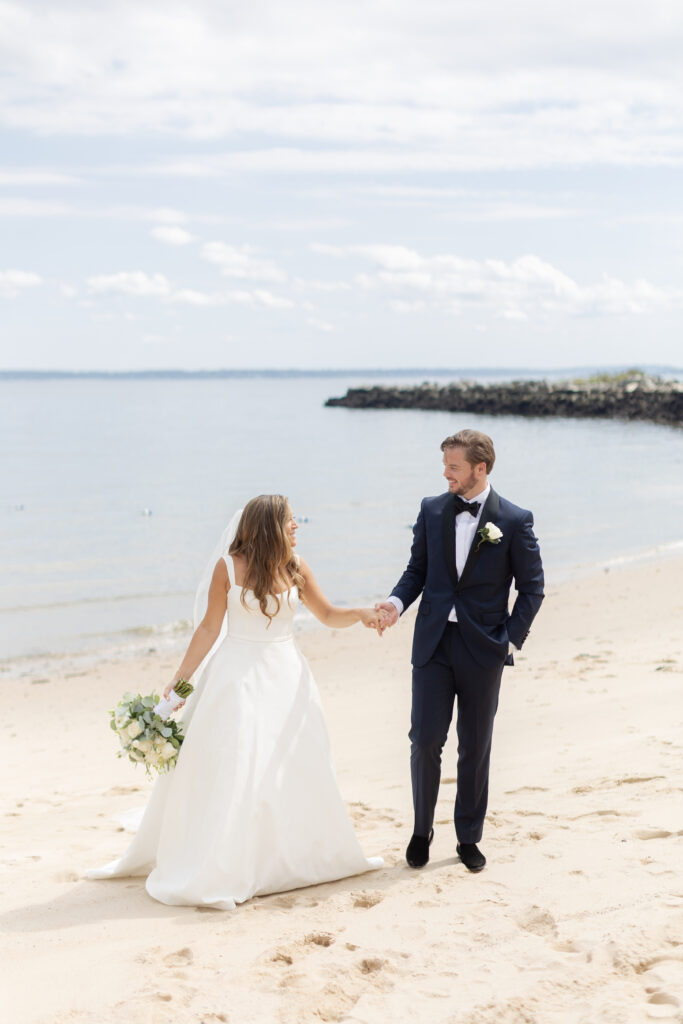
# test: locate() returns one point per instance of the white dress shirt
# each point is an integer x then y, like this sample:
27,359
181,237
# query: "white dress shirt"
466,526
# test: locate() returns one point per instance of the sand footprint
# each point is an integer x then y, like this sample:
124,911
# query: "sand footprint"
662,1006
360,811
371,964
319,939
286,955
181,958
654,833
366,899
286,902
538,921
568,946
282,956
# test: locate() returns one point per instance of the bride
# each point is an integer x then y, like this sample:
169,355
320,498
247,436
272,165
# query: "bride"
252,805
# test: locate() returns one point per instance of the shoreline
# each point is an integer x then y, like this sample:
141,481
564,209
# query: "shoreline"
171,638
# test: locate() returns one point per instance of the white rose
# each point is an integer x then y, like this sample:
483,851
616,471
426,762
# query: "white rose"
493,531
144,745
151,757
168,751
134,729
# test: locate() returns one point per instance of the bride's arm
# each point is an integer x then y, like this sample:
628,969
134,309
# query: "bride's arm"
328,613
206,633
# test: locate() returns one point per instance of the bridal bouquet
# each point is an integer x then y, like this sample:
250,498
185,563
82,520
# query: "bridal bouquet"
146,736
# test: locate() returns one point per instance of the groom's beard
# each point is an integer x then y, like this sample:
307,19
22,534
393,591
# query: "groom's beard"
463,486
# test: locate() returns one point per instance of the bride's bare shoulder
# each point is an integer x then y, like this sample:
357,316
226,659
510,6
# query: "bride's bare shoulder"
240,563
303,566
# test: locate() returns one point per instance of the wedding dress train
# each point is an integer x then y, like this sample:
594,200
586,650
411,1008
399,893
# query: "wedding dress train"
252,805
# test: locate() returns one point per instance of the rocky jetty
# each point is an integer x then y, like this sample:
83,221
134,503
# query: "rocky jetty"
629,396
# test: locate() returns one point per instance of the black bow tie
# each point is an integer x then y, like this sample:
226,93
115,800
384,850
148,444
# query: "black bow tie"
460,505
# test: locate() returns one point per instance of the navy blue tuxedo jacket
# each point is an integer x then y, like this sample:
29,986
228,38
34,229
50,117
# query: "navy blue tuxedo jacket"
481,593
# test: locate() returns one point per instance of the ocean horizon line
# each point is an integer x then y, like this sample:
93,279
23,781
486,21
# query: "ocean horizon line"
161,373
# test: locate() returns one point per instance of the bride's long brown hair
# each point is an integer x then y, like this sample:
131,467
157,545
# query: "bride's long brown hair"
261,538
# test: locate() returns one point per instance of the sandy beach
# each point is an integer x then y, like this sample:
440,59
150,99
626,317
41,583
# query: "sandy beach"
578,916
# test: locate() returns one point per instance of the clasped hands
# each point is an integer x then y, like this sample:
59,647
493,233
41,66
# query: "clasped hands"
384,615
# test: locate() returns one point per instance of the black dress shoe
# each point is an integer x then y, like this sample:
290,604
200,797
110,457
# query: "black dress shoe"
471,856
417,853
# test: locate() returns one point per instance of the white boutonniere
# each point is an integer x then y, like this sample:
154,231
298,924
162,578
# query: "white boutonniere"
489,534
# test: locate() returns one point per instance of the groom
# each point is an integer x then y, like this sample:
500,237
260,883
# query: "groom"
468,546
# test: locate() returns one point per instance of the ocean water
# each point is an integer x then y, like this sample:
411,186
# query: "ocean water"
114,492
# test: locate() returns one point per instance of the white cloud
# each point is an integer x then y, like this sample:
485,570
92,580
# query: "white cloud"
401,306
191,297
324,249
311,284
172,235
242,262
292,224
35,176
514,289
601,85
134,282
157,286
19,207
167,215
13,282
473,205
252,124
259,297
162,215
320,325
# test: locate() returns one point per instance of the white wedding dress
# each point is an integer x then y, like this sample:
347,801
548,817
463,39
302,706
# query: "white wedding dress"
252,805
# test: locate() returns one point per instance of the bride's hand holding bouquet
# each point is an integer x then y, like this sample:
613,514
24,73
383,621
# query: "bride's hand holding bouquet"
175,695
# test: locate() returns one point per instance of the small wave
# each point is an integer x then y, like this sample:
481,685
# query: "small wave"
645,555
84,602
165,629
631,558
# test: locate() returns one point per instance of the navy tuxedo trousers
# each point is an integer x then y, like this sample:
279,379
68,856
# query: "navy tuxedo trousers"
452,672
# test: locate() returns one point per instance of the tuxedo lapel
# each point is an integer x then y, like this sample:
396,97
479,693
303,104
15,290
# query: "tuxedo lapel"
488,514
448,524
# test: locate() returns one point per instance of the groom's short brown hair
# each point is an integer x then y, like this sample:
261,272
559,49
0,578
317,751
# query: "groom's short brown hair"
478,447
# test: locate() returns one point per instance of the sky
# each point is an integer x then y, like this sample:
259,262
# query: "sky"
345,184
